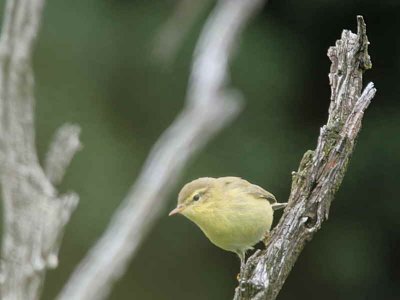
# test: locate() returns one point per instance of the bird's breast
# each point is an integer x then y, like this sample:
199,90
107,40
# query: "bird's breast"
237,225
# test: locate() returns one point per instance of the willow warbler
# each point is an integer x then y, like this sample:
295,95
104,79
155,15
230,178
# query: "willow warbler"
233,213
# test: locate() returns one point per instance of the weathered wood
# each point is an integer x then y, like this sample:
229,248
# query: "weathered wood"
34,213
320,173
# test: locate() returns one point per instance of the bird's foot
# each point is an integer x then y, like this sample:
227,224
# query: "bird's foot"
266,238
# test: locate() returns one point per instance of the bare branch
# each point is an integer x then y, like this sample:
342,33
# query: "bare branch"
61,151
320,172
170,36
21,23
34,214
209,107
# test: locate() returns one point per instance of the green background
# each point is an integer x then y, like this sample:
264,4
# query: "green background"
94,67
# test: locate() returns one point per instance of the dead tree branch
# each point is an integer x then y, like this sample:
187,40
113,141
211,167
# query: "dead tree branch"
320,172
34,213
210,105
170,36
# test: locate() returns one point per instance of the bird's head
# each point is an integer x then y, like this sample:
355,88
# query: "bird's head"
193,196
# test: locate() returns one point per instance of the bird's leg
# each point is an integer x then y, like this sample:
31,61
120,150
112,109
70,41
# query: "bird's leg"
242,257
242,264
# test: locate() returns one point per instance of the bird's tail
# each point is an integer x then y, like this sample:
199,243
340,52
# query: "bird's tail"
277,206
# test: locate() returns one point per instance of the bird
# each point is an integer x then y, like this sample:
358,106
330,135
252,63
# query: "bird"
233,213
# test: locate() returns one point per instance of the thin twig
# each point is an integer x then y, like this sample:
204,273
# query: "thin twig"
170,36
64,145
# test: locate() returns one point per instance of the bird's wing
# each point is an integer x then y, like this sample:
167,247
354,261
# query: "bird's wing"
259,192
249,188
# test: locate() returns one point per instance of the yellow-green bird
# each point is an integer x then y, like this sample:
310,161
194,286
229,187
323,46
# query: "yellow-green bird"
233,213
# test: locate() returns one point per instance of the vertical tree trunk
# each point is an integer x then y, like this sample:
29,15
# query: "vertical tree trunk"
34,213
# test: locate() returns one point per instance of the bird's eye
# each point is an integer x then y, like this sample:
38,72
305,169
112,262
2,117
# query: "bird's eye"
196,197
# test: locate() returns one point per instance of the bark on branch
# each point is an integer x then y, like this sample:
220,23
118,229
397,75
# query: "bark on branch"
34,213
320,172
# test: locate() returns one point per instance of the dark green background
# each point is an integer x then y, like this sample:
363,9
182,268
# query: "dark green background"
93,67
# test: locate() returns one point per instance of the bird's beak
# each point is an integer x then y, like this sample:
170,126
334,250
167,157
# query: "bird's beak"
176,210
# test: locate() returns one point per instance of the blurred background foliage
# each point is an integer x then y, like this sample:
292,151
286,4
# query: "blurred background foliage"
94,67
